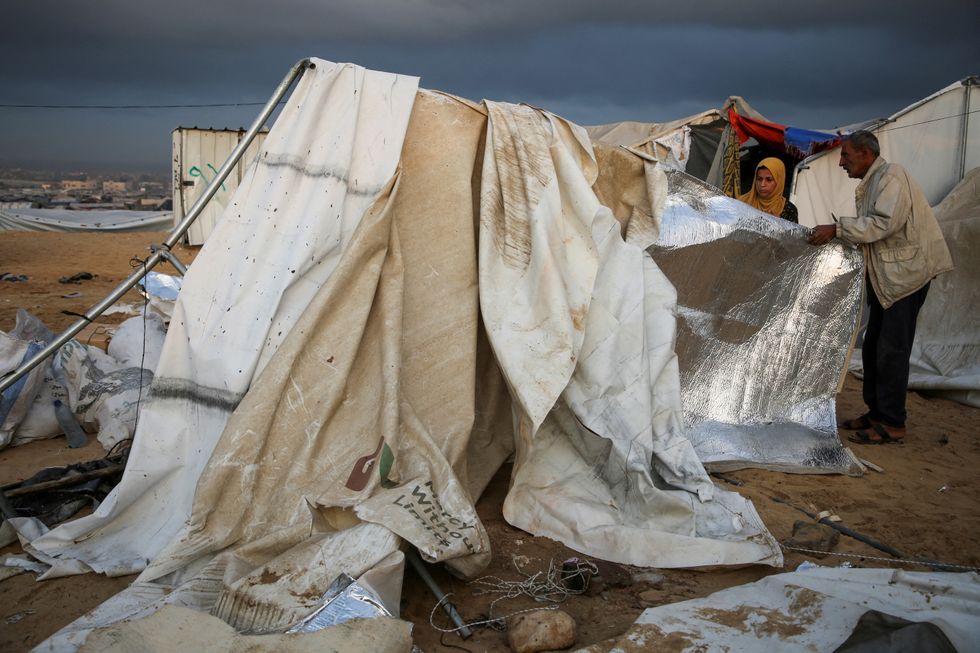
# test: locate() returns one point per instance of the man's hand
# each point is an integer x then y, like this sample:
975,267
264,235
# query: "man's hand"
822,234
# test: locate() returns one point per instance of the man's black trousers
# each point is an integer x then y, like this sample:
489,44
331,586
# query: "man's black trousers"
885,353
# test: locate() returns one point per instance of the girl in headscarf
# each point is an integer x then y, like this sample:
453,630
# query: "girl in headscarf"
767,190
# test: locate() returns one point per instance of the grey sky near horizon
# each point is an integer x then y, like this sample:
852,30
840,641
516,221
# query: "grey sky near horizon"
814,65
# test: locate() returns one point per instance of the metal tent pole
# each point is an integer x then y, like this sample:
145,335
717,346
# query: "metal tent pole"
965,126
163,251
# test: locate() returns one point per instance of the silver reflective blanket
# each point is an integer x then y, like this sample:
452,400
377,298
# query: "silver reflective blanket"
765,323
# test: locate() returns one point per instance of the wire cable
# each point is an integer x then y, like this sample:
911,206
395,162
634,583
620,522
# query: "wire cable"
146,302
925,122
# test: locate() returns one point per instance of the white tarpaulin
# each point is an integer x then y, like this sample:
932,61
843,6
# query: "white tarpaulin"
68,220
811,611
336,146
936,139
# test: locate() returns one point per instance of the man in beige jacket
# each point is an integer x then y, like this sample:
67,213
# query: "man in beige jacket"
904,250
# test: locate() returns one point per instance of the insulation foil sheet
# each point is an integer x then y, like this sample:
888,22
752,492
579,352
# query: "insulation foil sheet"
765,323
344,600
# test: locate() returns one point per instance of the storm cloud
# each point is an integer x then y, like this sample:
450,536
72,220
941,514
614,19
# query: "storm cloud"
816,65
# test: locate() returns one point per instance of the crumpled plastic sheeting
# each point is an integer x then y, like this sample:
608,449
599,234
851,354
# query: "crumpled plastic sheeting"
765,322
161,292
345,600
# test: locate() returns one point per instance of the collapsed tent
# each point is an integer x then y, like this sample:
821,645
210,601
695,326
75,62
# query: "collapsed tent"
69,220
937,139
407,289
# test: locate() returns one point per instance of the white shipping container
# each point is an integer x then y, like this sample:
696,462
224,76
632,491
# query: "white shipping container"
198,155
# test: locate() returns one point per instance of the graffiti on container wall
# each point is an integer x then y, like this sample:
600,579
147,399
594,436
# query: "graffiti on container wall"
197,172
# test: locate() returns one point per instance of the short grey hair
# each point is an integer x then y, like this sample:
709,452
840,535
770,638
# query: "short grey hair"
864,140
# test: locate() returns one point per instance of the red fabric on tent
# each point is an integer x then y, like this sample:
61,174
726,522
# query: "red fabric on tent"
767,133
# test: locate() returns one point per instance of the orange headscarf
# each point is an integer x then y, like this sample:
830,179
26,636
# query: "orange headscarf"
774,204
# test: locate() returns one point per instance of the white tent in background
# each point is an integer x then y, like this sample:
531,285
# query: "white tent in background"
937,139
946,354
945,358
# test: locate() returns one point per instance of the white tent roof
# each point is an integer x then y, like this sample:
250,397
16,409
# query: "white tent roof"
937,139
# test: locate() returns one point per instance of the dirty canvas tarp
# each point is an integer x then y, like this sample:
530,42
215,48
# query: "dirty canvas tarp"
810,611
336,361
437,407
382,405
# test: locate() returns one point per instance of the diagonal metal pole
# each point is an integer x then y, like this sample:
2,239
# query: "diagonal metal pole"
163,250
413,558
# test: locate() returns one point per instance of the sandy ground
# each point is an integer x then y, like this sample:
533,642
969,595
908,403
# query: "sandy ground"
924,504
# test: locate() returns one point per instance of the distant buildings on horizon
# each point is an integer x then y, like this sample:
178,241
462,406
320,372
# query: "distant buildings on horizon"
21,188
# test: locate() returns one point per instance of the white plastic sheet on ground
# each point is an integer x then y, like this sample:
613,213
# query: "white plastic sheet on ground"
811,611
69,220
330,154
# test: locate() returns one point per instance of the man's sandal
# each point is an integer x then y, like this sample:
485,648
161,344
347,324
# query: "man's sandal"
878,434
856,423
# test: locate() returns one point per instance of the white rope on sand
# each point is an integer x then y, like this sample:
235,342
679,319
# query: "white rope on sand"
554,586
922,563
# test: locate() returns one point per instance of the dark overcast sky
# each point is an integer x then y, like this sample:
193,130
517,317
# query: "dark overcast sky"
810,64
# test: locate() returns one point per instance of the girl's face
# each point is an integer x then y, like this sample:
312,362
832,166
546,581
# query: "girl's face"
765,183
